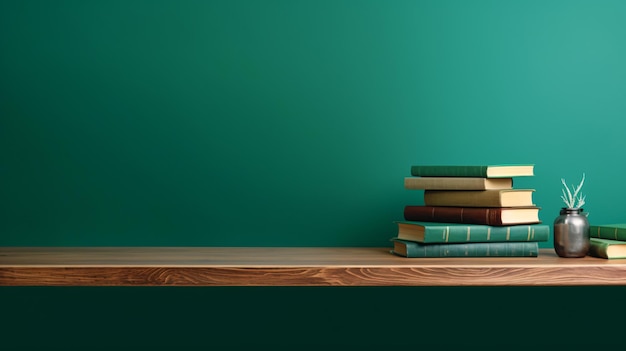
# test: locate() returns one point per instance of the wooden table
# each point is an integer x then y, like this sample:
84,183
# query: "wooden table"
284,266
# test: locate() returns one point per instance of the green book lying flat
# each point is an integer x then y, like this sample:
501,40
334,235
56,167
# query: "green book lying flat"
437,232
487,171
413,249
608,231
607,248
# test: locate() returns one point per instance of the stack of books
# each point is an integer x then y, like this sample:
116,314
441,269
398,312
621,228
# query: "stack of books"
607,240
470,211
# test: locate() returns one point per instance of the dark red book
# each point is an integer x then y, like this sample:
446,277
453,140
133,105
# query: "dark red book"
494,216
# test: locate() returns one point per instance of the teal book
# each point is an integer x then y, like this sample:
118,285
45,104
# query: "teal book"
437,232
485,171
607,248
412,249
608,231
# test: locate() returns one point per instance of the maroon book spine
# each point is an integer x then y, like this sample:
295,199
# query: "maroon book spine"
466,215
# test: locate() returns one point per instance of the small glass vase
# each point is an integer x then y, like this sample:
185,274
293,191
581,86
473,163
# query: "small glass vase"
571,233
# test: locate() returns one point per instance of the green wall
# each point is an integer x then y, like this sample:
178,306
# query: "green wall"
293,123
289,123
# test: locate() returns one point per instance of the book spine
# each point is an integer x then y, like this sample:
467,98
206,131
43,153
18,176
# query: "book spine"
484,233
463,198
457,183
444,183
607,232
467,215
519,249
449,171
598,249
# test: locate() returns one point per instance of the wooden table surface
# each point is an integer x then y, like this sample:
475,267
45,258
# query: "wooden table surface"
286,266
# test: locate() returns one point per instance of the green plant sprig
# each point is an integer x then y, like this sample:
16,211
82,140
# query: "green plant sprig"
572,197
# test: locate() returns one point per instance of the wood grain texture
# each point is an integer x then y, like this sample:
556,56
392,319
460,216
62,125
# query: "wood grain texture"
240,266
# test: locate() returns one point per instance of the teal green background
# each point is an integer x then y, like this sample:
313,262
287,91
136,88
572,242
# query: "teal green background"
288,123
293,123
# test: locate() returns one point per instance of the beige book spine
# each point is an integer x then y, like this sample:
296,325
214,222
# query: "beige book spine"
476,198
457,183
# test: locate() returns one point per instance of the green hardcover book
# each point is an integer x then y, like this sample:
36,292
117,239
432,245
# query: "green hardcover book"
436,232
608,231
413,249
607,248
486,171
